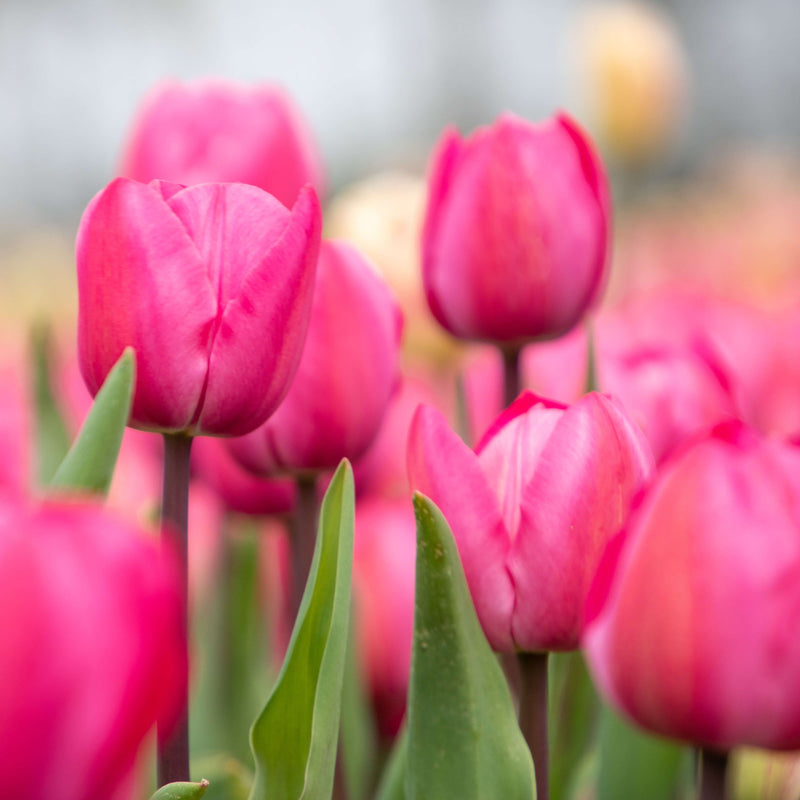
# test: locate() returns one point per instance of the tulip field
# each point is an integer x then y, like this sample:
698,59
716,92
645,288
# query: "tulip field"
475,483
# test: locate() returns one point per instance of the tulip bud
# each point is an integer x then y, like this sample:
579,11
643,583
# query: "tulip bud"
532,508
215,131
346,377
690,621
516,230
90,650
211,285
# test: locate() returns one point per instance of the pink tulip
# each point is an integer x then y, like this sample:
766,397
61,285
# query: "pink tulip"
516,231
690,622
89,653
671,392
237,488
346,377
383,584
211,285
16,425
215,131
532,508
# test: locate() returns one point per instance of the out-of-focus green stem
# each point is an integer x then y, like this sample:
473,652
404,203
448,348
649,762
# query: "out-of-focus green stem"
713,768
304,536
512,380
173,750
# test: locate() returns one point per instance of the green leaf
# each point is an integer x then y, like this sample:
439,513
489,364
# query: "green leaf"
181,791
573,712
89,464
393,780
294,739
359,735
464,741
634,765
52,438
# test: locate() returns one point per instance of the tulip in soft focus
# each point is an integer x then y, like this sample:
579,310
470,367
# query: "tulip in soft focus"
211,285
348,372
384,561
516,231
215,131
532,508
671,393
690,622
90,653
237,488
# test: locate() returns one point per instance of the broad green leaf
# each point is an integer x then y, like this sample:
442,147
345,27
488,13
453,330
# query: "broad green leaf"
89,464
393,781
359,736
181,791
294,739
634,765
573,713
52,438
464,741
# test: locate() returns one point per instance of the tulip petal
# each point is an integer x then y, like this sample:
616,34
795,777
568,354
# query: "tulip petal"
443,468
261,333
572,506
142,284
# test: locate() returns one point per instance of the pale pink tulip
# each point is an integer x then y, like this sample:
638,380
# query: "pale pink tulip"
532,508
211,285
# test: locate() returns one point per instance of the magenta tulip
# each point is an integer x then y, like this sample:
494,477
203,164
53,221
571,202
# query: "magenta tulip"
383,585
671,392
211,285
532,508
690,622
90,649
346,377
215,131
516,231
237,488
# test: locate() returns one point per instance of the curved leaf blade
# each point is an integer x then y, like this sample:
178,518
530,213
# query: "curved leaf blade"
294,739
89,464
464,740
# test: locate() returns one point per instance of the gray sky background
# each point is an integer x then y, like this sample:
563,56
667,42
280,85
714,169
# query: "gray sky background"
378,79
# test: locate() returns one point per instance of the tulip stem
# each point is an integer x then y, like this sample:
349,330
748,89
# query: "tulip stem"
512,380
173,751
533,714
304,536
713,768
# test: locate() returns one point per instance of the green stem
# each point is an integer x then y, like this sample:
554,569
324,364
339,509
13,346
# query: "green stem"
512,379
713,767
304,536
173,751
533,714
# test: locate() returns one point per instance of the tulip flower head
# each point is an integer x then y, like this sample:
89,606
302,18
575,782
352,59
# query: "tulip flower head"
212,287
215,131
516,230
90,649
690,621
347,374
532,508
